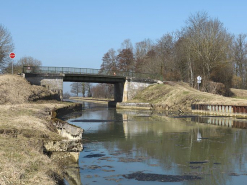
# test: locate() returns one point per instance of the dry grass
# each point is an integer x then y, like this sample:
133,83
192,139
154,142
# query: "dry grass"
239,93
23,128
181,96
23,163
15,89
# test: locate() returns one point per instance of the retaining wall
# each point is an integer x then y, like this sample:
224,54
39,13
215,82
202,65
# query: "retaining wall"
224,110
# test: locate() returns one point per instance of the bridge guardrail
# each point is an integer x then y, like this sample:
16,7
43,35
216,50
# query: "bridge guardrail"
71,70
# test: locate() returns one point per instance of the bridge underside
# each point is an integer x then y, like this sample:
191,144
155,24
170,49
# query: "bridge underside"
124,88
54,82
93,78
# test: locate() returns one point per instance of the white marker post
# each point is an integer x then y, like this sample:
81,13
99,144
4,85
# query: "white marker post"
199,80
12,56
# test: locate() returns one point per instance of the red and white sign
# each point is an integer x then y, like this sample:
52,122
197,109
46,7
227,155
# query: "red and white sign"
12,55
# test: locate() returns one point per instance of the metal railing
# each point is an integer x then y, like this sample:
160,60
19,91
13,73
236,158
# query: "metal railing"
71,70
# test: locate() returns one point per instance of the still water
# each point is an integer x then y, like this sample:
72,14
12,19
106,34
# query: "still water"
132,147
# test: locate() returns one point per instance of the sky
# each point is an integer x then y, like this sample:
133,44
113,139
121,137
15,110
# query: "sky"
77,33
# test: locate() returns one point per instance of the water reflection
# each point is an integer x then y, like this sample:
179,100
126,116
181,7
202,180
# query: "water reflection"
143,141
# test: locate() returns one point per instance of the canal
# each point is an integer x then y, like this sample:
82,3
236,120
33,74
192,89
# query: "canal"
144,147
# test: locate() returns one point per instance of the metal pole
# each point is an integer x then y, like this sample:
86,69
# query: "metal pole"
12,65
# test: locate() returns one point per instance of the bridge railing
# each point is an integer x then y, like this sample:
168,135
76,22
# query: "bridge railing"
71,70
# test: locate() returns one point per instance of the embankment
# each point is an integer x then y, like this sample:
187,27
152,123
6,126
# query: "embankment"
30,137
174,96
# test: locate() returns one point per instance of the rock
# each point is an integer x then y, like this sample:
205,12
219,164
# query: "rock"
63,146
67,130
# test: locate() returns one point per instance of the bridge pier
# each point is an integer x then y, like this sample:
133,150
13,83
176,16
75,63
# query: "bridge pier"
118,92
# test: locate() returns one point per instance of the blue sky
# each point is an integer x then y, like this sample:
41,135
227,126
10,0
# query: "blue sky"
77,33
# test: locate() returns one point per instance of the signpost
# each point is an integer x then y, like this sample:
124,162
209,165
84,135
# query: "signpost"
199,80
12,56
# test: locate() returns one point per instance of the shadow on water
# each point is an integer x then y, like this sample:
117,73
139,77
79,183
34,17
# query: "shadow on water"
130,147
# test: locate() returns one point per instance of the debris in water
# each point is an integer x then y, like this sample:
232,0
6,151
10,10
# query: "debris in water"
94,155
198,162
161,178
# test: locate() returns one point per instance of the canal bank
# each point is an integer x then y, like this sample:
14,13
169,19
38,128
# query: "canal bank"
36,147
180,97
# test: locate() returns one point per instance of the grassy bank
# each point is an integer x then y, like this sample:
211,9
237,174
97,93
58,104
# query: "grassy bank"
24,126
180,95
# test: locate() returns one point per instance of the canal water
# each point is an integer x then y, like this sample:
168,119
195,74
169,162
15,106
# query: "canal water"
144,147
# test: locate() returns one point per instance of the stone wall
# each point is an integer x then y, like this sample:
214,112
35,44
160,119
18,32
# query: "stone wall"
132,86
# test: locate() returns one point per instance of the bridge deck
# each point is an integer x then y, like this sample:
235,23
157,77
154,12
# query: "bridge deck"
72,72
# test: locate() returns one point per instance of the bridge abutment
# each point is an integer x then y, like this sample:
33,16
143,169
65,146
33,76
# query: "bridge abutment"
132,86
50,82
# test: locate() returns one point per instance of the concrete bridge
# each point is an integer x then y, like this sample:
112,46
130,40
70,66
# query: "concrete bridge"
126,84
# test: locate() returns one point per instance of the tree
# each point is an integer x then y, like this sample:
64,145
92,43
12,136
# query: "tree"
165,56
125,60
75,88
109,62
141,50
208,44
29,61
89,93
81,87
240,58
6,47
102,91
66,95
126,44
24,61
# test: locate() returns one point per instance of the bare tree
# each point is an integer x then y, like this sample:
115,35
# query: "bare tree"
29,61
109,62
141,50
125,60
102,91
75,88
24,61
208,44
89,93
66,95
6,47
240,58
126,44
85,89
165,56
